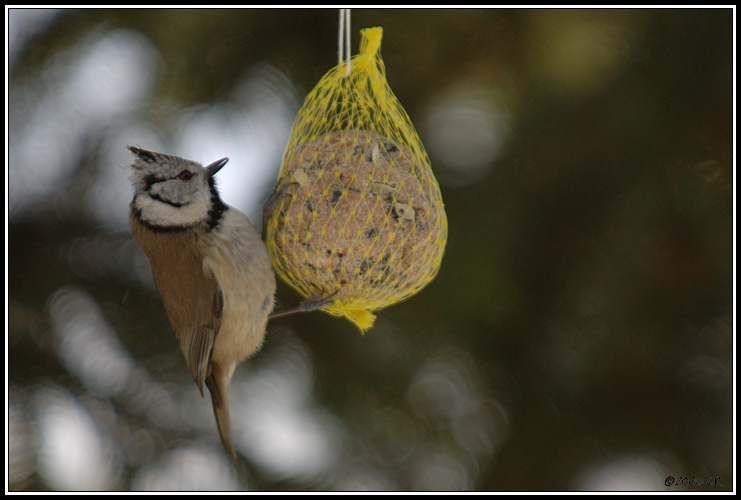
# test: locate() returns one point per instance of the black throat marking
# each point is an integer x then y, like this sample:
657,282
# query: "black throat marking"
217,206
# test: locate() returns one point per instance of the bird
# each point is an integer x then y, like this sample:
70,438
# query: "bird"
210,267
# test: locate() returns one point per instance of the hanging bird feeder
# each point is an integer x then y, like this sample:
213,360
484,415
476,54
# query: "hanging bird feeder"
357,215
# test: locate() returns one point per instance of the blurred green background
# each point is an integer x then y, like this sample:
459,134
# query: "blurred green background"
579,335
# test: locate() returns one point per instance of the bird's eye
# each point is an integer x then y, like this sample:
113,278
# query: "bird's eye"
185,175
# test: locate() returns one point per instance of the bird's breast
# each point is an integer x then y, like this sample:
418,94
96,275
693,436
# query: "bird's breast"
176,259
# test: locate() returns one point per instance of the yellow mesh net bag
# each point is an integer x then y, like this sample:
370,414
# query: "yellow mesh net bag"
359,216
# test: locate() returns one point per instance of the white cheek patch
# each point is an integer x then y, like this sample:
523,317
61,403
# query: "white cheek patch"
174,192
159,213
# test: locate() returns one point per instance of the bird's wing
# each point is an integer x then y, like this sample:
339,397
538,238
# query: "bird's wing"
197,336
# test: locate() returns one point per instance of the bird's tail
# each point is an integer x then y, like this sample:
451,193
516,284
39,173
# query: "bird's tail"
217,382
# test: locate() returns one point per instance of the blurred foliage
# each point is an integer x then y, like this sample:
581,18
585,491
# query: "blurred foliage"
579,335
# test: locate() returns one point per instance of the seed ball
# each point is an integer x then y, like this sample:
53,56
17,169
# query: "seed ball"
360,217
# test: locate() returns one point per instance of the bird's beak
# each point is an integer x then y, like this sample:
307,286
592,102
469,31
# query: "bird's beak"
216,166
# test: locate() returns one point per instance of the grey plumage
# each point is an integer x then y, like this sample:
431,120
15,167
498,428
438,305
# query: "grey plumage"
209,265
